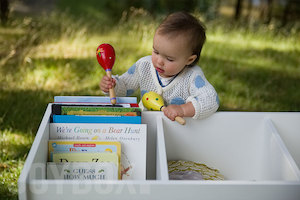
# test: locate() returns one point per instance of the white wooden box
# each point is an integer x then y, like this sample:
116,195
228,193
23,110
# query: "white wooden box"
258,153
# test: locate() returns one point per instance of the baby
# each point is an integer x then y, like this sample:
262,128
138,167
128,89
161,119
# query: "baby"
171,71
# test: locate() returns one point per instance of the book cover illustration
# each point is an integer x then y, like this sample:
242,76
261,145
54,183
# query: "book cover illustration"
86,157
60,146
132,137
82,171
96,110
56,108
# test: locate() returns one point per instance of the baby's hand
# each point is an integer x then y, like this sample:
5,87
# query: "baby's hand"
107,83
172,111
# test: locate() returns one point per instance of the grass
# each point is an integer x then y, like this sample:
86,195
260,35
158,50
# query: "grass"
252,70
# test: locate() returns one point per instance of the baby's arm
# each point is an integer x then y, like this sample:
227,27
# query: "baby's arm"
203,97
202,102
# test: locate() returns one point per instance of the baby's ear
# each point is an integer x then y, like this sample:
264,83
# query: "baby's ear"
191,59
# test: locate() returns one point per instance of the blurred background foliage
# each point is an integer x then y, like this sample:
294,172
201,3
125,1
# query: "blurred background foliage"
47,48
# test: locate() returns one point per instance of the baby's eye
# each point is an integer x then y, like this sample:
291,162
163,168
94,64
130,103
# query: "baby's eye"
154,51
170,59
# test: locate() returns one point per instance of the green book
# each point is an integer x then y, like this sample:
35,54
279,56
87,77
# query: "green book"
92,110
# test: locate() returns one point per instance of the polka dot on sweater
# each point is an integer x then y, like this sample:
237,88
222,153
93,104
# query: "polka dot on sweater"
177,101
129,92
199,82
131,70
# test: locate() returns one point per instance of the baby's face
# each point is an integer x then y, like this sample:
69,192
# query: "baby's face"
171,55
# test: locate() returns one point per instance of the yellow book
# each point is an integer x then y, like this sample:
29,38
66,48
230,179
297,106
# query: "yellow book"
86,157
72,146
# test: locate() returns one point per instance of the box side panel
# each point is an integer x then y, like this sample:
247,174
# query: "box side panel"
149,118
276,161
161,157
164,190
36,158
288,126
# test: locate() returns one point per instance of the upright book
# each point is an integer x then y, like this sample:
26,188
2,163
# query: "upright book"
62,109
93,99
60,149
131,136
96,119
82,171
84,166
67,146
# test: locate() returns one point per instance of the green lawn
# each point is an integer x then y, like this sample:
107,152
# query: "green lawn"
252,70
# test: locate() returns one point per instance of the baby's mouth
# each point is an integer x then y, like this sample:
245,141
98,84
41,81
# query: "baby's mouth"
159,70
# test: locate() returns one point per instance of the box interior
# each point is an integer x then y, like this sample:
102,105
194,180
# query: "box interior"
248,149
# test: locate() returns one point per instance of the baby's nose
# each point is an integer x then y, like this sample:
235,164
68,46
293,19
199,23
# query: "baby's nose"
160,61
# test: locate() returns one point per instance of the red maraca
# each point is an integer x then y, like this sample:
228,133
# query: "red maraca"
106,58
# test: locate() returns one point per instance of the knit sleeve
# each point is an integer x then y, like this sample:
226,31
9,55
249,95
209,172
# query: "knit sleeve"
203,97
128,83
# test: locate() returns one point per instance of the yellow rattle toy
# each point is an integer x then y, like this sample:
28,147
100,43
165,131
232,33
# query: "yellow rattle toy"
153,101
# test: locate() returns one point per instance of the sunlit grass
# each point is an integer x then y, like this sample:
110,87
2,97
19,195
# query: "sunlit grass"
253,70
14,147
10,172
67,64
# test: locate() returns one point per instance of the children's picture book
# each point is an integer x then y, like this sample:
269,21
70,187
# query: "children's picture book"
96,119
131,136
86,157
65,146
69,146
93,99
82,171
61,109
124,105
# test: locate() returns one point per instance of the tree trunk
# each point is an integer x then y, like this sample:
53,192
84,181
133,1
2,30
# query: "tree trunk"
249,9
269,11
4,6
286,13
238,8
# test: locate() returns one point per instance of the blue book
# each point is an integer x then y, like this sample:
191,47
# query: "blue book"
97,119
93,99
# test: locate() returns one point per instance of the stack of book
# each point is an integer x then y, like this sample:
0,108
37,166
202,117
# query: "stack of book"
89,139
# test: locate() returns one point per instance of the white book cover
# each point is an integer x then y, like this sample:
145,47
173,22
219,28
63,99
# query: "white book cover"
82,171
93,99
133,138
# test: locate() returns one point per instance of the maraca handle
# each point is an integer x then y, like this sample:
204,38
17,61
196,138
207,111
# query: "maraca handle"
178,119
112,93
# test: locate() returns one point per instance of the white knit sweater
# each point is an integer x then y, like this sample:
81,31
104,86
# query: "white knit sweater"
189,86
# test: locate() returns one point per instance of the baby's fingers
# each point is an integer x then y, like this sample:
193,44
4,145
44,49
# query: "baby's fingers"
107,83
168,113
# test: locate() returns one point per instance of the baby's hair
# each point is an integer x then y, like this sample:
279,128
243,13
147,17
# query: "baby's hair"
186,24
